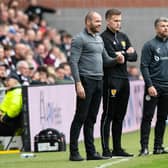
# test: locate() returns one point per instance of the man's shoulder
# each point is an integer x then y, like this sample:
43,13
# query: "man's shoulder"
105,32
150,42
122,34
80,36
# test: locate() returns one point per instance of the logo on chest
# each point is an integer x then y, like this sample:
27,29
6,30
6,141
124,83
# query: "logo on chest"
123,43
156,58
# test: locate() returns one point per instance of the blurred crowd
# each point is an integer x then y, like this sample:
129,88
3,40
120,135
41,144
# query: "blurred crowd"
35,51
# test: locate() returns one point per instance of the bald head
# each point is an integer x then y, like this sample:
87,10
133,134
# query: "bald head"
90,15
93,22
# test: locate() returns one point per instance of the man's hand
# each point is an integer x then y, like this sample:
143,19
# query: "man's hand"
152,91
130,50
80,90
120,58
1,116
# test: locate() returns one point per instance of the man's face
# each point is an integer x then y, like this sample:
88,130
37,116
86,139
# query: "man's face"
2,54
95,23
10,82
2,71
162,29
114,22
24,70
20,50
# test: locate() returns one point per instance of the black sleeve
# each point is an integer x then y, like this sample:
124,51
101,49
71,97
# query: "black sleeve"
48,10
109,48
132,57
146,57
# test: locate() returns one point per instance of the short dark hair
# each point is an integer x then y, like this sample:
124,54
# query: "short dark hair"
111,12
160,19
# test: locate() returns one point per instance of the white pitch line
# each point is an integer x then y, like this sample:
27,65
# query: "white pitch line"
119,161
113,163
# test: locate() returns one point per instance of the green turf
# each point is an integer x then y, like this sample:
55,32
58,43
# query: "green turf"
60,159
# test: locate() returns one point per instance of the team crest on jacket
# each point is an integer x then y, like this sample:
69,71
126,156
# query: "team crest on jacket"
113,92
123,43
156,58
158,50
148,98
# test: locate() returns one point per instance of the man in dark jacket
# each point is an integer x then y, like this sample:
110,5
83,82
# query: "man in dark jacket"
116,84
154,63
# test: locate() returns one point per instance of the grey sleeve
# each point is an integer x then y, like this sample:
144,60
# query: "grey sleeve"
107,60
146,56
76,50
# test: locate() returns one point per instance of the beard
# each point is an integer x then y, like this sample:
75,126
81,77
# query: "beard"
163,34
95,29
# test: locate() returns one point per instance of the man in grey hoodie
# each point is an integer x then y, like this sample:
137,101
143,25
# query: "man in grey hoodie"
87,59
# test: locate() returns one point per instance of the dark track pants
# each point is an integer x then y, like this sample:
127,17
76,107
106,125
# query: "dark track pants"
6,130
148,111
114,110
86,114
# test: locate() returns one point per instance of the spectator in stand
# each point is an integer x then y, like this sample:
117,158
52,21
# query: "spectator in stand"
67,71
43,26
22,19
55,57
11,106
40,54
3,75
4,16
31,37
17,32
66,44
8,53
12,16
54,37
40,76
38,10
14,4
60,74
47,44
3,72
20,53
23,71
51,79
2,54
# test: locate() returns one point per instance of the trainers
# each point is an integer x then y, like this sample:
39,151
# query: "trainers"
76,157
107,153
144,152
159,150
122,153
96,156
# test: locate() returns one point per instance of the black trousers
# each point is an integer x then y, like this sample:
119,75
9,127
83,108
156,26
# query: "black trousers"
6,130
150,104
86,114
115,99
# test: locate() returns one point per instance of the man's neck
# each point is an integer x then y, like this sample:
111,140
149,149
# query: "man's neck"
90,32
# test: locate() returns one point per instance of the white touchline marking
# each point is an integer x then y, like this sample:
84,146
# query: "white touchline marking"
105,165
112,163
